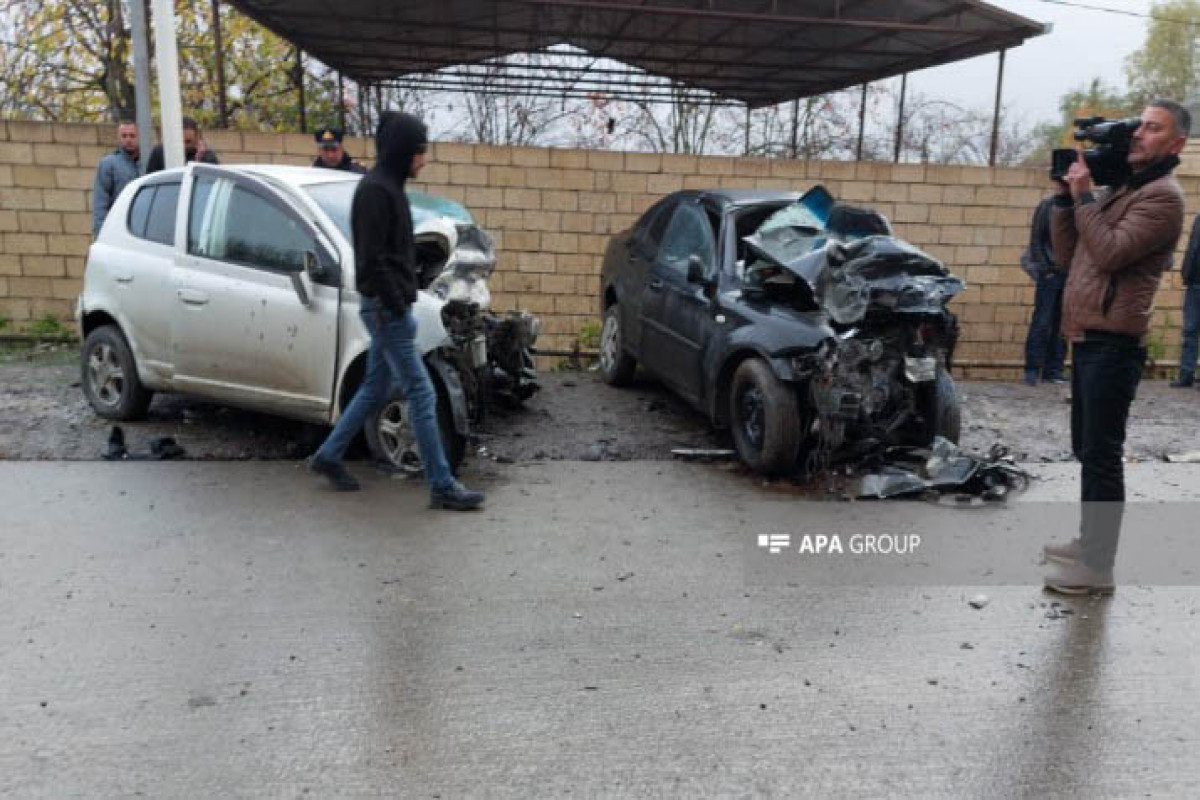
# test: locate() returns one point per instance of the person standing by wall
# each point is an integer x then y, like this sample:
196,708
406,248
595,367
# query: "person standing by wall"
386,275
114,171
1116,245
194,148
1191,311
331,154
1045,349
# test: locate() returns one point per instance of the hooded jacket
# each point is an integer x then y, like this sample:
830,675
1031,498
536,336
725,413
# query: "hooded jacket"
385,261
1116,249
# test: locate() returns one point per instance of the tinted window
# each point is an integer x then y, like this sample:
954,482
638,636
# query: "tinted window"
139,211
655,222
260,233
160,227
689,234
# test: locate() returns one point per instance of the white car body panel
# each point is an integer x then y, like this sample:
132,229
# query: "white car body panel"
238,334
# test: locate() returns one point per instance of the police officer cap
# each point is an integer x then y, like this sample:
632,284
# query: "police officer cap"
328,136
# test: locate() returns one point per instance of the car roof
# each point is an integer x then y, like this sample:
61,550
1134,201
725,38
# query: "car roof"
294,176
748,197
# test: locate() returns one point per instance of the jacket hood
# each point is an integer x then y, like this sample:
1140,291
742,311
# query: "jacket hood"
398,138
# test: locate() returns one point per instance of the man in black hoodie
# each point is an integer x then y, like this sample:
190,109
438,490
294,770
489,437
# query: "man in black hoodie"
386,277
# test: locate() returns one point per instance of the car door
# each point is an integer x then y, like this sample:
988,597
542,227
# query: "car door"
241,333
678,312
640,248
142,275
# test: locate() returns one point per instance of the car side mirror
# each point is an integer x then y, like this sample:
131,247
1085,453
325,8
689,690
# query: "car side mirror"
312,266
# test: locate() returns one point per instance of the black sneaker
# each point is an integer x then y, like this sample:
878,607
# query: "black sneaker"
455,498
338,476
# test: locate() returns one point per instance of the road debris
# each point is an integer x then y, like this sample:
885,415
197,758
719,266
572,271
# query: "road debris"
978,601
1190,457
162,448
701,453
941,471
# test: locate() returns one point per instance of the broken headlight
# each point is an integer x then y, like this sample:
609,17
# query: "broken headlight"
920,370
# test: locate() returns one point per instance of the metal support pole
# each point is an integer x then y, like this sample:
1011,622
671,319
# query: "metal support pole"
167,59
300,89
222,92
795,142
141,79
996,115
862,121
341,103
900,118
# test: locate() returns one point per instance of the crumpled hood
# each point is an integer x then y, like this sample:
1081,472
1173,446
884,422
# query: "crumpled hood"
847,278
398,138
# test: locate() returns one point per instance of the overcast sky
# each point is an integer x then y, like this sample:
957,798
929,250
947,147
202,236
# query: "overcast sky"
1084,44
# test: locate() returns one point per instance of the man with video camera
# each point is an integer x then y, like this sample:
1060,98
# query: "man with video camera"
1115,243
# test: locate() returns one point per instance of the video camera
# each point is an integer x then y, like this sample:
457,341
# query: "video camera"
1108,160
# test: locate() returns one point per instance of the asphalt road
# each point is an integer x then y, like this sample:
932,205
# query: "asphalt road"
236,630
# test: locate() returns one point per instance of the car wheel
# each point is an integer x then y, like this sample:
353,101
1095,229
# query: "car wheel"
764,417
392,440
109,376
616,366
940,409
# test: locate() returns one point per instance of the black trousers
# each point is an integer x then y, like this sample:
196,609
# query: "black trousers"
1106,371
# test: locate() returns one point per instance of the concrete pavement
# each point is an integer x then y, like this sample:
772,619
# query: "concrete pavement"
235,629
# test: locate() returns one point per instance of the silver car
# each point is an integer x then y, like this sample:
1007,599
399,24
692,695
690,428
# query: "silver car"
236,285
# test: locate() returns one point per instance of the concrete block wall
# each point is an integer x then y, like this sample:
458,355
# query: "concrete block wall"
553,210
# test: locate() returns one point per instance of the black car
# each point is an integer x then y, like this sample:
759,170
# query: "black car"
798,322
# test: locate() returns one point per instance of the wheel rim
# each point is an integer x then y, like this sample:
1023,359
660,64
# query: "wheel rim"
752,416
396,438
106,375
609,343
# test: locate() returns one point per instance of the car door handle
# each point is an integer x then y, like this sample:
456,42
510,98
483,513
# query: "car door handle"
192,297
655,284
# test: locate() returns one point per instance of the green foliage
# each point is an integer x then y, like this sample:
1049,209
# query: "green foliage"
3,322
588,337
1166,64
1093,99
1156,348
48,327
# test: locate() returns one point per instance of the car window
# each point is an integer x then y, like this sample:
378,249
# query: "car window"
139,210
200,216
236,224
160,226
689,233
650,232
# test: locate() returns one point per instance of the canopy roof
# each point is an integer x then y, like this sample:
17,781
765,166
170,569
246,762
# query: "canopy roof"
757,52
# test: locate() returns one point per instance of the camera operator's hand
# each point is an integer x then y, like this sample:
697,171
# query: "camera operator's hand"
1079,178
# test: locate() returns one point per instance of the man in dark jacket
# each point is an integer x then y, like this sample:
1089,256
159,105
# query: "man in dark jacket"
1116,245
1191,310
386,278
331,154
1045,349
194,148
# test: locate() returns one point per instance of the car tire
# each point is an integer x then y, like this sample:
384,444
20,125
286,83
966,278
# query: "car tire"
764,418
940,408
616,366
391,441
109,376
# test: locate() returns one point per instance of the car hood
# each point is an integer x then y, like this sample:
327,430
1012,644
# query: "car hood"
847,278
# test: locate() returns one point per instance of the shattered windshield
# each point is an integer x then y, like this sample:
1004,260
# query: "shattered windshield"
335,198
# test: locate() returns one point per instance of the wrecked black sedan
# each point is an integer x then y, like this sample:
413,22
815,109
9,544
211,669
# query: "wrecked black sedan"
797,322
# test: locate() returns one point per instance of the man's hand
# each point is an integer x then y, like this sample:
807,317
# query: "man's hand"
1079,177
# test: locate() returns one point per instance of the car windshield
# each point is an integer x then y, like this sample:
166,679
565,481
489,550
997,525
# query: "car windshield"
335,198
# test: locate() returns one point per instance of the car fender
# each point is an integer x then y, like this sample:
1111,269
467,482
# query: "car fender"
98,302
447,375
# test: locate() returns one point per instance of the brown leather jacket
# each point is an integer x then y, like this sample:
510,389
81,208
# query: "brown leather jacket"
1116,249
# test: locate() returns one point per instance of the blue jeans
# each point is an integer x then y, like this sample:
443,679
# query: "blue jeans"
1191,329
1106,371
1045,349
394,355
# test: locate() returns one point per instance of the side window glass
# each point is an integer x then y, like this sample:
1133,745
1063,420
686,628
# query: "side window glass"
160,227
689,234
657,224
202,217
139,211
259,233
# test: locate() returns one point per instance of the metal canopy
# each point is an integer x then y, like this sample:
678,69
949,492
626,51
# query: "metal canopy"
757,52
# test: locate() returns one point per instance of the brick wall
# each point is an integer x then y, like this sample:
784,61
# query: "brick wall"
553,210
